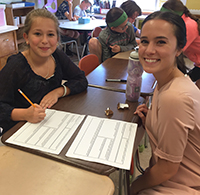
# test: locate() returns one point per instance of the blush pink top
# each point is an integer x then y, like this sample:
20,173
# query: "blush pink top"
173,126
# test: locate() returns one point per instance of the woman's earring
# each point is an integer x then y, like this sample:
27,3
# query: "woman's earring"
27,42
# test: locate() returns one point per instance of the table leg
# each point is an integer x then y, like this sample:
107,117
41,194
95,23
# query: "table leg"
124,182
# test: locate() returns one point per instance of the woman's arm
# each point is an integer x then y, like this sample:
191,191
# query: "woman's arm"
162,171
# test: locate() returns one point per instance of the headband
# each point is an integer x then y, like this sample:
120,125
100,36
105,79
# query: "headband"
163,9
119,21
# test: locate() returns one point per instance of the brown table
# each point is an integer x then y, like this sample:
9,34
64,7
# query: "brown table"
114,68
93,102
23,173
123,55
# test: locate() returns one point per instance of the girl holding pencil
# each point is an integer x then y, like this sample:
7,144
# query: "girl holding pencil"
37,73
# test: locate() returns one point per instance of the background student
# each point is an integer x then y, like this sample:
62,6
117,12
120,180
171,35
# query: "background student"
65,12
191,49
172,122
117,37
79,10
133,11
38,72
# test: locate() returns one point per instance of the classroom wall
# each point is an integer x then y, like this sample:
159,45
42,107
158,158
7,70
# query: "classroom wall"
192,5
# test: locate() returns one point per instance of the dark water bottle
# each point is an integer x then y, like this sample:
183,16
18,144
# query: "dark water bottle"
134,80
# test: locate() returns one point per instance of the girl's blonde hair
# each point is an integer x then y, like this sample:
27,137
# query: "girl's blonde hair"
40,13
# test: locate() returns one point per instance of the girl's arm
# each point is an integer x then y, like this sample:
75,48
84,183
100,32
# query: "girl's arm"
76,81
52,97
31,114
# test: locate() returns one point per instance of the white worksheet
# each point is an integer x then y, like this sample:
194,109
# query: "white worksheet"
105,141
51,134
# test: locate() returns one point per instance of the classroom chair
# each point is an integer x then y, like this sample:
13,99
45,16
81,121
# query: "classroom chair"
88,63
68,40
94,33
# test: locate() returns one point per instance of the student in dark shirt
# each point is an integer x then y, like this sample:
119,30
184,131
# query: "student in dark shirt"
38,72
65,12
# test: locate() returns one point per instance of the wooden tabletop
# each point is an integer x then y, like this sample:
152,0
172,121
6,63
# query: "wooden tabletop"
116,68
123,55
23,173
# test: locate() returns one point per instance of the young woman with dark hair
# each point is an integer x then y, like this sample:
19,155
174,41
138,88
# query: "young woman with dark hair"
172,122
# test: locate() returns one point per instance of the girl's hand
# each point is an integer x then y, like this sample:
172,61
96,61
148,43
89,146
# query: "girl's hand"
141,111
35,114
50,99
115,48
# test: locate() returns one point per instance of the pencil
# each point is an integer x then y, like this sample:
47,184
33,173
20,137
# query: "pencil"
26,98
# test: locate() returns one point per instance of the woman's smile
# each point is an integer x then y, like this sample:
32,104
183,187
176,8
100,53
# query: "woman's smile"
149,60
158,48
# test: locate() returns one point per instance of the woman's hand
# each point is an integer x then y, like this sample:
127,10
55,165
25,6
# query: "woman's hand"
141,111
35,114
115,48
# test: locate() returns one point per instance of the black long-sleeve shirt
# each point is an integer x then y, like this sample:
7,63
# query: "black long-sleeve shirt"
17,74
